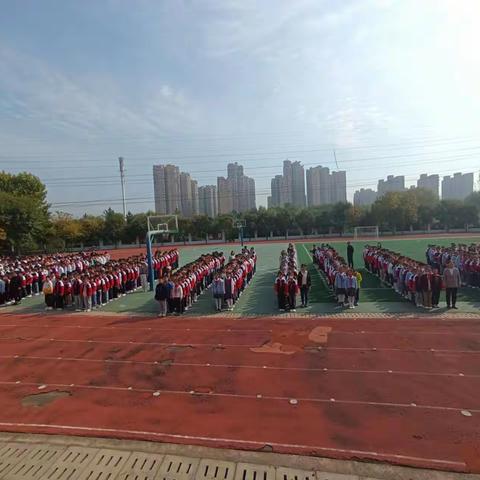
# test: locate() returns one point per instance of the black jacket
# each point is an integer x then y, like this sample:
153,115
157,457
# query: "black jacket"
162,292
15,283
300,279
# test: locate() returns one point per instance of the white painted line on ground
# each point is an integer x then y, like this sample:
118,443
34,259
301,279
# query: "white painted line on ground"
236,331
172,344
253,367
245,396
378,455
129,342
181,330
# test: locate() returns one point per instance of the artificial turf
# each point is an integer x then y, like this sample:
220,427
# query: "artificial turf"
259,297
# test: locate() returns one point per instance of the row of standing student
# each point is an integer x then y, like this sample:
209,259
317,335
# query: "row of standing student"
465,257
343,280
414,280
178,291
86,282
22,277
231,281
290,281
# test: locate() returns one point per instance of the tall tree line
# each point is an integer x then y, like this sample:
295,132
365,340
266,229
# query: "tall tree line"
27,224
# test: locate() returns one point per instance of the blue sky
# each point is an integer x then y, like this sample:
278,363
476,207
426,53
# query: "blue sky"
392,86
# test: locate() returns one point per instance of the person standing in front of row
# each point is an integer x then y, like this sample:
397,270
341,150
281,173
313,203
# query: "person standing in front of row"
359,277
350,251
451,278
304,282
218,290
162,293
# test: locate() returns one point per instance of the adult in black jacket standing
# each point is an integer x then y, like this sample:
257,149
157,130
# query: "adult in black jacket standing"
16,287
304,283
162,294
350,251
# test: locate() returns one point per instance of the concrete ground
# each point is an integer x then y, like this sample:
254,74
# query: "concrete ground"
56,457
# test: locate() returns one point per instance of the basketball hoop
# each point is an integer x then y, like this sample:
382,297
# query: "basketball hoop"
158,225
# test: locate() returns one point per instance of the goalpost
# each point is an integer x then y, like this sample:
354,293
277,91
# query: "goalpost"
366,232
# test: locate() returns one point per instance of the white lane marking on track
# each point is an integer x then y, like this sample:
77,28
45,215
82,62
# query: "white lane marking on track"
253,367
220,330
249,396
334,332
129,342
169,344
378,455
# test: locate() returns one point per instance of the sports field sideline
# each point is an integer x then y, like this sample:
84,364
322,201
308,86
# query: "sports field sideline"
258,299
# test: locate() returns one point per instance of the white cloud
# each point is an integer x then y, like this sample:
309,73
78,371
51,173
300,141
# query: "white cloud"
76,106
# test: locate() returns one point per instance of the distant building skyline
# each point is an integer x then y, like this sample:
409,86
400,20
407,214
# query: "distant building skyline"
458,186
364,197
207,200
236,192
289,188
177,192
430,182
391,184
324,188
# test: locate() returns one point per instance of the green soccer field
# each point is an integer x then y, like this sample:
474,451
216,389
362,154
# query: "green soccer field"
259,298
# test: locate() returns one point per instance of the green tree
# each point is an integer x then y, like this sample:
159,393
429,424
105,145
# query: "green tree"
135,228
92,228
66,228
114,226
341,216
23,211
306,221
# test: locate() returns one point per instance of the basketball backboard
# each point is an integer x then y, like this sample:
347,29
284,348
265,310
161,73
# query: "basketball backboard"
162,224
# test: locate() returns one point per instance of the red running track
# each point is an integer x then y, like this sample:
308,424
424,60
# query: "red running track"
398,391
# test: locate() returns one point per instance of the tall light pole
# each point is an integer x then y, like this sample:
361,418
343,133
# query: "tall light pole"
122,180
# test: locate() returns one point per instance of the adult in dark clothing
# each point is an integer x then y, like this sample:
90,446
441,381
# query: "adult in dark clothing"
304,283
162,294
436,287
16,288
350,251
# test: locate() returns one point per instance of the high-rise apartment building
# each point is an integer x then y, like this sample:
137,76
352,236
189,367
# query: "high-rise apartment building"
280,191
298,185
289,187
159,190
339,186
174,191
207,200
391,184
194,185
224,195
324,188
364,197
186,201
429,182
457,187
236,192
